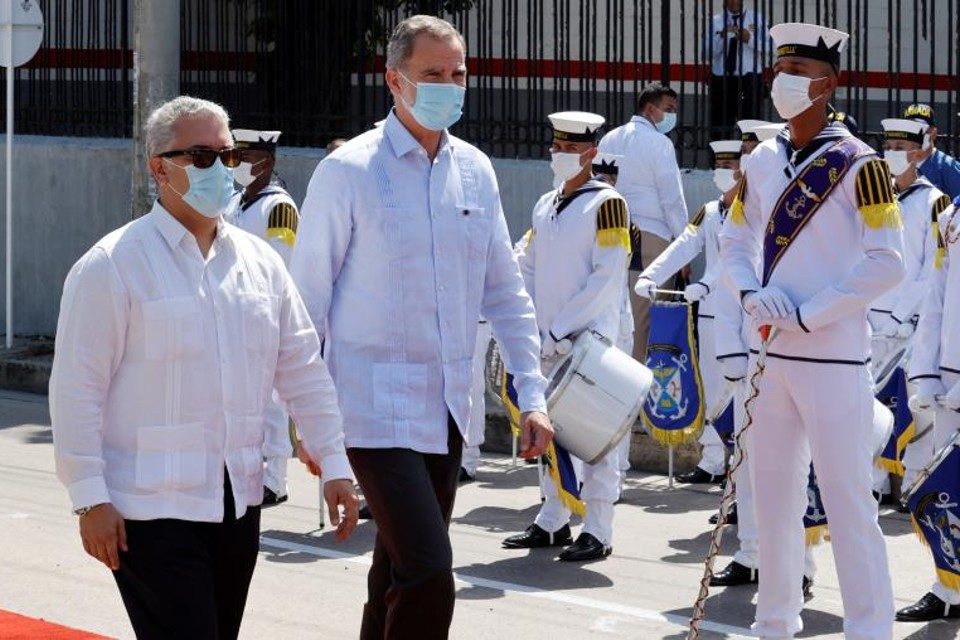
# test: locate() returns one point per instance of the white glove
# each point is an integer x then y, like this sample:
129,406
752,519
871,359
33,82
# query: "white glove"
767,304
952,399
887,327
695,292
905,330
645,288
925,398
734,369
789,322
564,347
548,347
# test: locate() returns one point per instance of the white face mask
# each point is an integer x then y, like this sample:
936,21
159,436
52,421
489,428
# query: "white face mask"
243,173
791,94
564,166
897,161
724,179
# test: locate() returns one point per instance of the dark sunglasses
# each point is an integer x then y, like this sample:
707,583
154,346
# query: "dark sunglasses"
204,158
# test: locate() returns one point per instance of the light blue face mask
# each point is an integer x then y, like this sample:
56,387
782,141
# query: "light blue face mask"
210,189
438,105
666,125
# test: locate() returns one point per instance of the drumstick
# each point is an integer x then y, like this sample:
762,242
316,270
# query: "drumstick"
927,470
669,292
729,491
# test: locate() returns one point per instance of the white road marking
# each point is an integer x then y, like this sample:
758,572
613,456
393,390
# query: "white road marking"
735,633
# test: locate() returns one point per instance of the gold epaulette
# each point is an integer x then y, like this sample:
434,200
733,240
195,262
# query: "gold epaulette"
736,208
875,197
613,224
941,205
282,223
697,220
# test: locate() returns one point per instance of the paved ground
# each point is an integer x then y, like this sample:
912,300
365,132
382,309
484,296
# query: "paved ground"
307,586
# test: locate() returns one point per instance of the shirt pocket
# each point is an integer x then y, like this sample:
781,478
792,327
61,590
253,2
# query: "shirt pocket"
171,328
476,230
171,457
400,390
260,321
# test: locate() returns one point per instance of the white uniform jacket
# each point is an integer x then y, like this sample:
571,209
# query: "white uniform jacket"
847,254
164,363
701,234
271,215
936,346
398,255
920,205
574,262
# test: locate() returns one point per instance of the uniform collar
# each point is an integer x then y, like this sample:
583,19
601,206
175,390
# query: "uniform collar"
402,141
830,133
916,185
643,120
173,231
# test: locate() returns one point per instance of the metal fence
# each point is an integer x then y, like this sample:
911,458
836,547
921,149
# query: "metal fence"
313,68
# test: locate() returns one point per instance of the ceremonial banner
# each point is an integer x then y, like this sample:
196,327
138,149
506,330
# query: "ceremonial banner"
559,464
936,517
673,412
815,519
724,425
894,395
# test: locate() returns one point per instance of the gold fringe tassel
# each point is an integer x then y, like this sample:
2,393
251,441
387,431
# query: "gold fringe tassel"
673,437
285,235
615,237
817,535
938,258
568,499
878,216
890,466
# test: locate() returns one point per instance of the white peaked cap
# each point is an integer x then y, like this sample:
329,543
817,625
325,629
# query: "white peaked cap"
749,126
726,146
808,41
249,135
768,131
576,126
899,125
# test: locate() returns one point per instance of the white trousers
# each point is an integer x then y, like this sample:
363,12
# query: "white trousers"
945,424
825,411
748,553
714,453
277,448
478,398
600,490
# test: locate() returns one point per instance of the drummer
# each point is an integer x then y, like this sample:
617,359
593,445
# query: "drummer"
934,367
701,236
574,265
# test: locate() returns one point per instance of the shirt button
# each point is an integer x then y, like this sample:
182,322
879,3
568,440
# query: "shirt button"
441,288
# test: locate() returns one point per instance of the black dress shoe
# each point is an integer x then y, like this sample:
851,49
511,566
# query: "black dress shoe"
929,607
585,548
271,499
465,476
731,515
884,499
364,513
535,537
807,588
735,575
699,476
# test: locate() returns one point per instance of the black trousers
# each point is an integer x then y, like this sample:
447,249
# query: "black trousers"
184,580
734,98
410,590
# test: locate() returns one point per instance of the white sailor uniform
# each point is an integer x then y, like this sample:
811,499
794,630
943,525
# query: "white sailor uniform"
920,206
701,235
272,216
935,361
816,394
574,265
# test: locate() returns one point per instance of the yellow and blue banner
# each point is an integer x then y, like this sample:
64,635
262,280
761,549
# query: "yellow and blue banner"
559,462
894,395
815,518
724,424
674,411
935,515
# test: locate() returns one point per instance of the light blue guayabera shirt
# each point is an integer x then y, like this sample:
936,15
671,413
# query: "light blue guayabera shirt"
396,258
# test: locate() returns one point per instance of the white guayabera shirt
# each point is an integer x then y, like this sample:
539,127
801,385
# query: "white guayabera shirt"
164,362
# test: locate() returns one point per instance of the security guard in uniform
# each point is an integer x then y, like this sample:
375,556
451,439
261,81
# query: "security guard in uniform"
265,209
574,265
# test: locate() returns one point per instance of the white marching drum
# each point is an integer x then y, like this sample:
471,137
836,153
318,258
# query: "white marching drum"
883,421
595,396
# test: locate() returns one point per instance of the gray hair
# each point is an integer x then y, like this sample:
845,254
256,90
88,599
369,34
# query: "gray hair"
159,128
401,42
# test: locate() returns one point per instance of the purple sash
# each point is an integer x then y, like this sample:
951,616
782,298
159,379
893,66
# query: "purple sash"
802,199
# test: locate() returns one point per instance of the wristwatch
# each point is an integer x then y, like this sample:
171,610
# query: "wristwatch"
82,511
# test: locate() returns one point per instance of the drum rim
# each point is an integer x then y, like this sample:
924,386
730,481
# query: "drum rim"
930,469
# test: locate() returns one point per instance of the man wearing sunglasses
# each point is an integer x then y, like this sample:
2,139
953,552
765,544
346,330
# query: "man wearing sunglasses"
265,209
174,331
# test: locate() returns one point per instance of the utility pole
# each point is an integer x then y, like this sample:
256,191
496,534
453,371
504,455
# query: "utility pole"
156,79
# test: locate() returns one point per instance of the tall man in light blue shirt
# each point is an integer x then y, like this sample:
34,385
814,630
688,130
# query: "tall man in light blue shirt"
402,246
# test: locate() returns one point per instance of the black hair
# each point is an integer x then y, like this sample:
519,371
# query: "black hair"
652,93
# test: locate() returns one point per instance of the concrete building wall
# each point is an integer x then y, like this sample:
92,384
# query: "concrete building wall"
69,192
